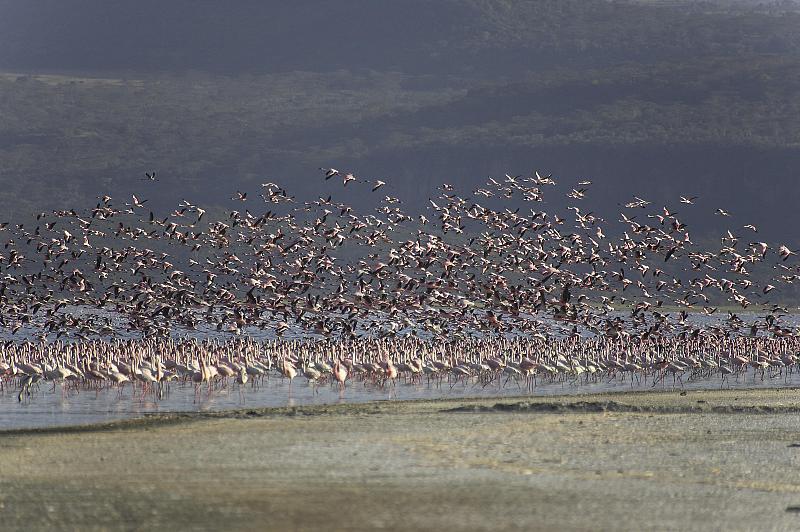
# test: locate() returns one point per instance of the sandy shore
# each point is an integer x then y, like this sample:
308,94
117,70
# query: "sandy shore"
699,461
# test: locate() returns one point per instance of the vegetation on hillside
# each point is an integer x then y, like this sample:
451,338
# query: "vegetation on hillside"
649,97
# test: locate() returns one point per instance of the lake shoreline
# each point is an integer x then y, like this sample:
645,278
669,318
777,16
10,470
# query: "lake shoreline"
756,400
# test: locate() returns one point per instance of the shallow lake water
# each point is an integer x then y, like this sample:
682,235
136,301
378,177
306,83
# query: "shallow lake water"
62,407
46,407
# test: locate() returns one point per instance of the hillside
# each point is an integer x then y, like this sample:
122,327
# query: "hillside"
652,98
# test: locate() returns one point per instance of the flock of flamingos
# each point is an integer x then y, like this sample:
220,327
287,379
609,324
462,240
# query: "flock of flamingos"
494,287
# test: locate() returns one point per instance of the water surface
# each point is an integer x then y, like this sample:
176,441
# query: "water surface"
47,408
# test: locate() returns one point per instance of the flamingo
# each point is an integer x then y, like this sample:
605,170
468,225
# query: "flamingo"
340,374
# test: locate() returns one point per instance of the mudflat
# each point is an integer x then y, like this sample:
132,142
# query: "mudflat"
657,460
